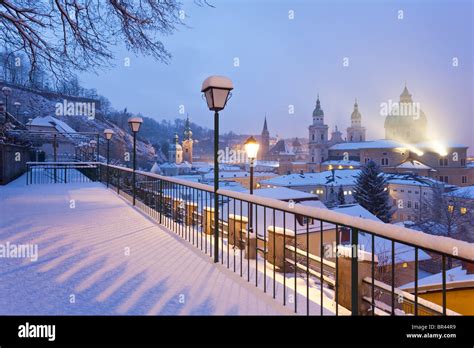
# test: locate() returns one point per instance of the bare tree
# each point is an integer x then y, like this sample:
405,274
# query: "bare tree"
61,36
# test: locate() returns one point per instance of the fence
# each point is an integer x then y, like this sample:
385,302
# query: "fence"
316,260
61,172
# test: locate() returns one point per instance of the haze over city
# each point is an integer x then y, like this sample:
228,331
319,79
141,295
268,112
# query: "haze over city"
282,62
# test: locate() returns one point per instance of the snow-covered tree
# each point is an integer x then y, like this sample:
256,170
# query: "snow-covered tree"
371,191
341,199
332,200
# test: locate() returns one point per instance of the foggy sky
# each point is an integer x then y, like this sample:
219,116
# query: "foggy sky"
287,62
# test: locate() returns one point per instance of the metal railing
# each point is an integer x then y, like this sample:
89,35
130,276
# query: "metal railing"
61,172
316,260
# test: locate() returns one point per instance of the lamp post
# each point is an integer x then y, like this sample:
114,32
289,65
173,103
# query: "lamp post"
17,105
108,133
216,90
6,92
251,148
92,144
134,123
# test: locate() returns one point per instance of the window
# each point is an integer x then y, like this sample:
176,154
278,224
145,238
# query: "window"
409,204
322,136
313,136
385,161
416,205
443,162
409,191
463,210
402,190
394,190
450,208
464,179
345,193
463,162
446,179
416,192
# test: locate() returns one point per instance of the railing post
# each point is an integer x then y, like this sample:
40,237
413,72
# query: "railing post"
118,181
27,173
354,272
161,201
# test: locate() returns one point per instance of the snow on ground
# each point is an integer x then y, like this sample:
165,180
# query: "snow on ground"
99,256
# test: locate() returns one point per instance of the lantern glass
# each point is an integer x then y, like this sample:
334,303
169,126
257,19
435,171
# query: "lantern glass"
216,89
135,123
251,148
108,133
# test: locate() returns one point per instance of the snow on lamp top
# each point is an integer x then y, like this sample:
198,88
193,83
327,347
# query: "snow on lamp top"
6,91
216,89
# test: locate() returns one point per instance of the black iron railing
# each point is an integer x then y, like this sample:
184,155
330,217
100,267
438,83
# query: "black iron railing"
61,172
318,261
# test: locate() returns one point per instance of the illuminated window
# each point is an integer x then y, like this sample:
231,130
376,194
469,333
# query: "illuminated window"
340,167
351,167
450,208
345,194
463,210
330,167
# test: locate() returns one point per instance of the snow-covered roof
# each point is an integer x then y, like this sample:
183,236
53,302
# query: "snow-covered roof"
463,192
413,164
168,165
412,179
431,144
341,177
234,174
273,164
50,121
283,193
341,163
454,275
374,144
355,210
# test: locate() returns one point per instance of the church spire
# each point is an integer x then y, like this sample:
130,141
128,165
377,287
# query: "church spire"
405,97
318,112
188,133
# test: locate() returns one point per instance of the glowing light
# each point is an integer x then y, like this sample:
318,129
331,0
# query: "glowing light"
413,149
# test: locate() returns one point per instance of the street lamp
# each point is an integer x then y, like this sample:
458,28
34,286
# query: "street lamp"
92,144
17,105
6,92
134,123
108,133
251,147
216,90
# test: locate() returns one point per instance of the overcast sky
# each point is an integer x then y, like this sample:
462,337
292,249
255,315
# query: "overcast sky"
285,61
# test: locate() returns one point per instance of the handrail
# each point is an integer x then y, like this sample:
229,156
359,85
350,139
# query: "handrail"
448,246
439,244
63,163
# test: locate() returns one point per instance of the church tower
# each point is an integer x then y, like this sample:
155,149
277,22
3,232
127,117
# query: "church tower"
188,142
318,138
356,133
264,142
175,154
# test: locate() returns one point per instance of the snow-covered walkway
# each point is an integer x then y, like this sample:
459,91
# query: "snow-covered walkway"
98,255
